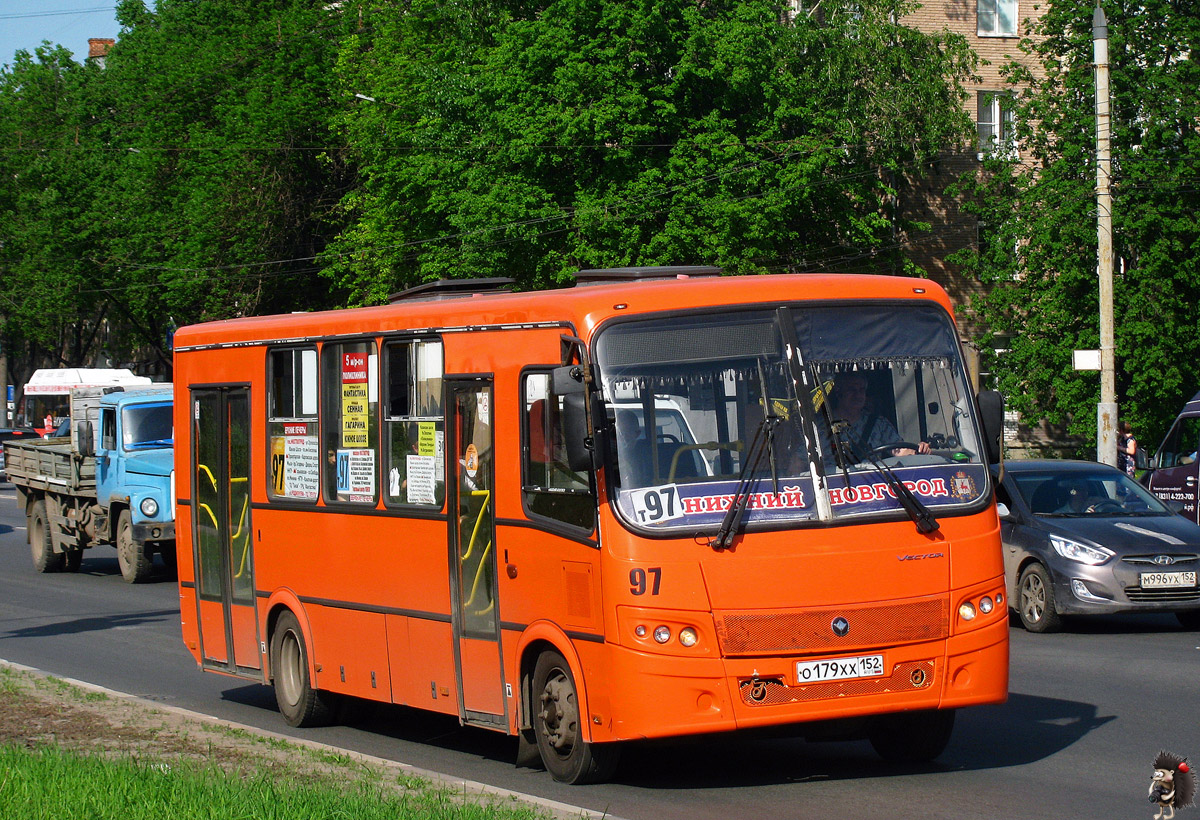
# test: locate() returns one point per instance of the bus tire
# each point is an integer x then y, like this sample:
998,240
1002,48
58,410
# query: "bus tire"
41,542
556,723
134,559
911,737
300,704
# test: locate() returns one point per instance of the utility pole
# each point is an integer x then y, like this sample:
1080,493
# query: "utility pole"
1106,410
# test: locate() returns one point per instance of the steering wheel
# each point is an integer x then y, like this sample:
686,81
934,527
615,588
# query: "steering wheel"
1107,505
886,449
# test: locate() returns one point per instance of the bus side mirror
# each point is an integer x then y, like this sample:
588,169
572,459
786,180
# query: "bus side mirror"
85,439
568,384
575,432
991,414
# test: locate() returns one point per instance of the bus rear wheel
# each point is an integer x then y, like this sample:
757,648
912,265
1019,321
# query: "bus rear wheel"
133,558
556,723
912,737
300,704
41,543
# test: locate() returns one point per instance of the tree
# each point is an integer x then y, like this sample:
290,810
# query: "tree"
50,315
533,139
1039,259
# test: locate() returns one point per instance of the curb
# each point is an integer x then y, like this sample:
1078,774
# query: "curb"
468,787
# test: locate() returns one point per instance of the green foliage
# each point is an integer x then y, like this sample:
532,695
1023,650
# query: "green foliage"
1042,299
533,139
226,161
51,783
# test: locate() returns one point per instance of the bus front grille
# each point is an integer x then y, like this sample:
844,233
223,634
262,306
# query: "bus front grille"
905,677
773,632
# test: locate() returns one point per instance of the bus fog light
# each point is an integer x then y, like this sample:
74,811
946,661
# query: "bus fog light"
662,634
688,636
985,605
640,631
967,611
149,507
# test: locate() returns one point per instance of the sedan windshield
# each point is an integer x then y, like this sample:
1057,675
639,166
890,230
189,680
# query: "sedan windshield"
1079,493
848,402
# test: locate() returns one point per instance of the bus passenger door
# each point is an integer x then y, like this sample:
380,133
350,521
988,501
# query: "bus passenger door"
472,506
222,533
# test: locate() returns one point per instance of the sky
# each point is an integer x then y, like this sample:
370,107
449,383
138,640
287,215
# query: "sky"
25,23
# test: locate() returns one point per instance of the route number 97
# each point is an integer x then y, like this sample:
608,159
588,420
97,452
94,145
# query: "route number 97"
642,581
655,505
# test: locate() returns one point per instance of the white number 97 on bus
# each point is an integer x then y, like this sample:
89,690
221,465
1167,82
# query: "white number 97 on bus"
653,505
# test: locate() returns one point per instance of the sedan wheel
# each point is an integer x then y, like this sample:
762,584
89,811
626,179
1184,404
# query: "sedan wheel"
1035,603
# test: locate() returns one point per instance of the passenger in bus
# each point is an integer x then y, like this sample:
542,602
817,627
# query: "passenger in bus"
865,430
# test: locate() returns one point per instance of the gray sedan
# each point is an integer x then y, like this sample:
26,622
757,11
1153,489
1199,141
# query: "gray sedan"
1081,538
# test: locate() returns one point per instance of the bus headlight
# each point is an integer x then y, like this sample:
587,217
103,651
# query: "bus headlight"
688,636
149,507
662,634
967,611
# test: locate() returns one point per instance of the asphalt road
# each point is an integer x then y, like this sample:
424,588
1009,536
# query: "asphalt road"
1088,711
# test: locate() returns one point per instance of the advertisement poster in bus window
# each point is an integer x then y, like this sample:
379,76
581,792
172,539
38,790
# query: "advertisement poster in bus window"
354,400
424,468
356,474
295,463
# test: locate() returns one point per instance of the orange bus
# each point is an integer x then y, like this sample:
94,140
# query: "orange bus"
661,502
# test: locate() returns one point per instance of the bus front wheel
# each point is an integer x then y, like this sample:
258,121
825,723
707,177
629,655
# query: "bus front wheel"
566,755
41,543
300,704
912,737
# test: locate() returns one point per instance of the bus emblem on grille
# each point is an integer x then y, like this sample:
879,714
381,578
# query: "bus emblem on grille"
840,626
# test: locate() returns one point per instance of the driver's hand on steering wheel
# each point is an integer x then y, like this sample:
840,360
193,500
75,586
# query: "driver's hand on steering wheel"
922,447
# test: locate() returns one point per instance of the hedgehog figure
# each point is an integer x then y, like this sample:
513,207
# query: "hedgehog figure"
1172,786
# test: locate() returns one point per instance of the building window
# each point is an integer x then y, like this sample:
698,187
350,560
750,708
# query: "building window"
996,18
995,122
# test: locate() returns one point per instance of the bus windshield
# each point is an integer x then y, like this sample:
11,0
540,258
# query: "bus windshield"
884,398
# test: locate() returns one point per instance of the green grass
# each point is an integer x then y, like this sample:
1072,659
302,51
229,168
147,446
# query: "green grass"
53,784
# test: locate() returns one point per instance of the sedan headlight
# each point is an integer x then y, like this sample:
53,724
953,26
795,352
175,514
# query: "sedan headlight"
149,507
1075,551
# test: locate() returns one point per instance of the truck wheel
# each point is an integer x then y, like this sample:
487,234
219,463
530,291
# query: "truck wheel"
135,559
72,560
170,558
556,724
300,704
41,543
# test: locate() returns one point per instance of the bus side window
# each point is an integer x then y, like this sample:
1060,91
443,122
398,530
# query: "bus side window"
295,465
350,393
414,424
549,487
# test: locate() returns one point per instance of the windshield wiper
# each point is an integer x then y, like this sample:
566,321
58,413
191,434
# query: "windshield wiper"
732,522
916,510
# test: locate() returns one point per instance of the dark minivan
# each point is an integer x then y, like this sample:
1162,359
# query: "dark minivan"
1175,468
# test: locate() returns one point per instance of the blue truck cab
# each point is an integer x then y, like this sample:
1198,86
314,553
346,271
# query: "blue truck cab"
135,469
